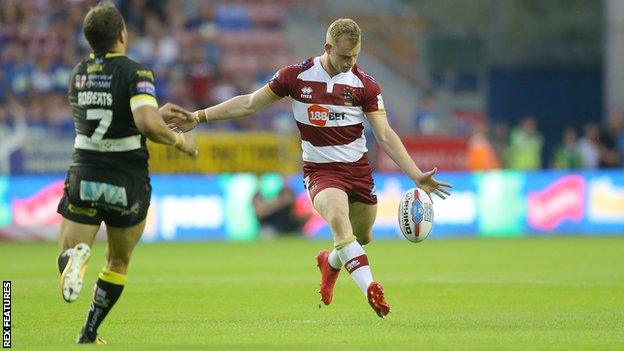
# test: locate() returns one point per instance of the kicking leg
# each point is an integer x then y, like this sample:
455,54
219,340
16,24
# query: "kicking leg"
362,217
333,205
75,242
112,278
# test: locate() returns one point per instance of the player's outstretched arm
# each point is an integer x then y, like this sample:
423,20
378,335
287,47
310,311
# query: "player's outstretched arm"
150,122
393,147
239,106
236,107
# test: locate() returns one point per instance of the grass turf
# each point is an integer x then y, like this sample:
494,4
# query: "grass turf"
562,293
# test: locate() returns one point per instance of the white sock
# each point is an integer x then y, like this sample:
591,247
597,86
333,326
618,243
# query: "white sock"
355,261
334,259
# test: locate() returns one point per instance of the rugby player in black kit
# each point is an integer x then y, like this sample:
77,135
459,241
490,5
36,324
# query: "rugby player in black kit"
113,102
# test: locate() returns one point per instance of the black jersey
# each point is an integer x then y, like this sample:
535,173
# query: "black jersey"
104,89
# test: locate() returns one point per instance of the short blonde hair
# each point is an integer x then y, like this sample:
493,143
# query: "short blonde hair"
343,28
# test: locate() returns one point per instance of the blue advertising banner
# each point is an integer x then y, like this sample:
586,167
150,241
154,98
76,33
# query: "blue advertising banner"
186,207
604,206
220,207
555,202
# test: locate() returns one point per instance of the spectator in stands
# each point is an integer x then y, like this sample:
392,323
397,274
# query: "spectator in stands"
4,85
17,70
134,12
158,48
616,124
224,89
40,42
199,75
5,122
41,78
481,155
13,128
10,12
588,146
567,155
427,117
207,30
276,215
525,145
610,156
498,135
58,112
61,70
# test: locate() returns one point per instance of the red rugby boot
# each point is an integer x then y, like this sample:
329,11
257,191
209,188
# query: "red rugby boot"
329,275
376,299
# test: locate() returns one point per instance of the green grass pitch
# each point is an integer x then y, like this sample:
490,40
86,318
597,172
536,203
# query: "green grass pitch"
562,293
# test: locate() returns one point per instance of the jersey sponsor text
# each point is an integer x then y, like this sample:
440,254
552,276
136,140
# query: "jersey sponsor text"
319,115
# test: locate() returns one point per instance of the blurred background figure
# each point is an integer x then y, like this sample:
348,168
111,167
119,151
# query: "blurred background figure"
525,145
610,155
588,146
567,155
276,214
498,135
427,117
481,154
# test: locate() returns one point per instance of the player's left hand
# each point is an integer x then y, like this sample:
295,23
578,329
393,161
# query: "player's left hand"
430,185
173,113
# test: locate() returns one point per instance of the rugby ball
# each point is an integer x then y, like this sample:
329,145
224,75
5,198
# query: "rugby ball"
416,215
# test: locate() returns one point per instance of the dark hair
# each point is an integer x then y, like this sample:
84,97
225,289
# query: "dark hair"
102,26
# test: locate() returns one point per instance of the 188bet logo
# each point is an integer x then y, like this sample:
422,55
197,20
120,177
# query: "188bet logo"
319,115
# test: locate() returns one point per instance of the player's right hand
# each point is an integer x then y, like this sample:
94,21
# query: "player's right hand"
430,185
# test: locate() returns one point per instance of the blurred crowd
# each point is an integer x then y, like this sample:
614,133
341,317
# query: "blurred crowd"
497,144
522,147
206,51
180,40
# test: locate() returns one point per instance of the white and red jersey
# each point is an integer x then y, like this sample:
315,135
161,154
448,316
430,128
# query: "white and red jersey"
329,111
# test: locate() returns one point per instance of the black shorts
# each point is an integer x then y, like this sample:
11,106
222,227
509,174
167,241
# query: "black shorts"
92,195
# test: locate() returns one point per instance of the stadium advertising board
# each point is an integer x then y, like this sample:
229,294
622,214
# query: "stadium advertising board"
502,205
605,202
555,202
231,152
219,207
52,156
5,209
28,207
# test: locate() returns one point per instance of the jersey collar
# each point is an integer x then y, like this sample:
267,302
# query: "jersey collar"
108,55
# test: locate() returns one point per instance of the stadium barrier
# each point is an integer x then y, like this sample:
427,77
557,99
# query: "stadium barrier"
220,152
446,153
218,207
231,152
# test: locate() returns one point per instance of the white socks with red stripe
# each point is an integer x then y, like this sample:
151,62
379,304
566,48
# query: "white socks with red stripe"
356,262
334,260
